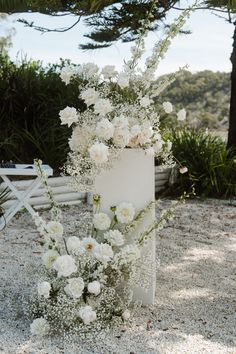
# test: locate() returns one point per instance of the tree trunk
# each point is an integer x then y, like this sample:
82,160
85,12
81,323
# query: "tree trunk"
232,113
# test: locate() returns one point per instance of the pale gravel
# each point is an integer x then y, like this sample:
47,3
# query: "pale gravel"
195,310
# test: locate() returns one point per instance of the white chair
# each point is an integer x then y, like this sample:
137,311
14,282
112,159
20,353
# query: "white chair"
22,198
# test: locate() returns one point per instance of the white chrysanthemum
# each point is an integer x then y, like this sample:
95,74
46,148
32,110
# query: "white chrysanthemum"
125,212
90,96
105,129
101,221
66,74
89,244
74,245
126,315
89,70
80,139
120,122
115,238
167,106
121,137
55,229
40,327
87,315
75,287
44,289
131,253
49,258
103,252
181,115
65,266
145,135
123,80
145,102
103,106
99,153
109,71
94,287
68,116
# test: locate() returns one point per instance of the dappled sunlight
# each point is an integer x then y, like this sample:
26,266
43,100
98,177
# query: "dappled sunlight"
197,254
191,293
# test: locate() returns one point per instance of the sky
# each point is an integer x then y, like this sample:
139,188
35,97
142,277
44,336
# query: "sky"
207,47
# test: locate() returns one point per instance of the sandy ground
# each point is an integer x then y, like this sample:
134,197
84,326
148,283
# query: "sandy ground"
195,310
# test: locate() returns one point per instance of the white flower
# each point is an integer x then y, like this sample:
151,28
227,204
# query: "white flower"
87,314
65,266
75,287
90,96
126,315
114,237
49,258
120,122
125,212
181,115
167,106
150,151
168,145
130,253
66,73
105,129
145,102
68,116
99,153
103,252
183,170
134,133
89,244
158,146
80,139
145,134
123,80
55,229
40,327
101,221
89,70
94,287
109,71
74,245
103,106
121,137
44,289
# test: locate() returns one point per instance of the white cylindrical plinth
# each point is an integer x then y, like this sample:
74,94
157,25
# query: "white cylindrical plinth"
132,179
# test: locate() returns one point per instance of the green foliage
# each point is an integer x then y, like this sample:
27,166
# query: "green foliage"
30,100
211,167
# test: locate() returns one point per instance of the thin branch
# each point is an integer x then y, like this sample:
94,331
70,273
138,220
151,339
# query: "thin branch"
201,8
46,30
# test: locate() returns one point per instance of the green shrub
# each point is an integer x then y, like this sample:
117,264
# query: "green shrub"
211,167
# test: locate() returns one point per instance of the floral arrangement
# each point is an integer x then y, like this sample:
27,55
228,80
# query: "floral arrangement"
121,110
87,279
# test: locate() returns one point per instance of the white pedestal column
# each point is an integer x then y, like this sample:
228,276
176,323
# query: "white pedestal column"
132,179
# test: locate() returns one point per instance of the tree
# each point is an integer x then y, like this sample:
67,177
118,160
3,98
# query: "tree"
112,20
5,39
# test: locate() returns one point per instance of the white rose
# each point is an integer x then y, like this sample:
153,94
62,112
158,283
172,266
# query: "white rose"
123,80
103,106
87,314
90,96
145,102
44,289
55,229
103,252
66,74
89,244
89,70
94,287
167,106
115,238
105,129
125,212
109,71
68,116
181,115
120,122
75,287
74,245
121,137
80,139
65,266
99,153
101,221
126,315
40,327
49,258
